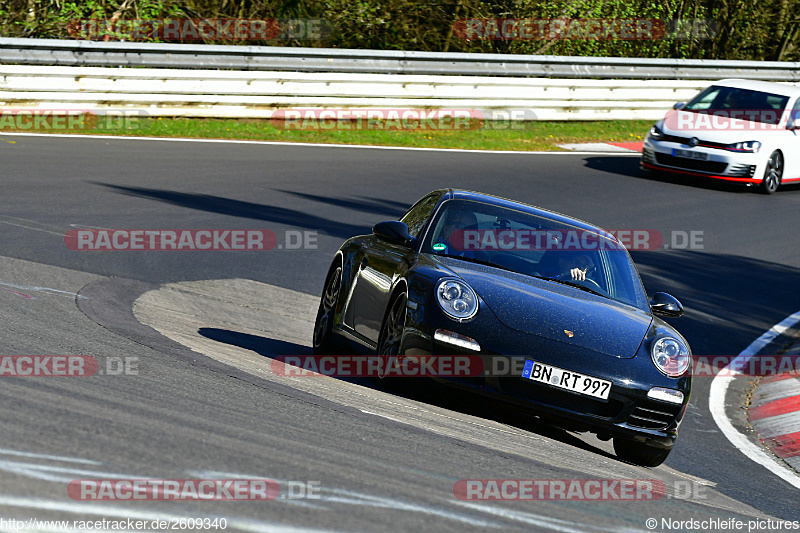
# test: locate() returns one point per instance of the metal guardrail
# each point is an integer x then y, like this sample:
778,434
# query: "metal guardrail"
183,56
257,81
238,93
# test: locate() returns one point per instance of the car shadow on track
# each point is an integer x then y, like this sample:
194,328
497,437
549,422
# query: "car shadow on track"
630,166
417,389
386,208
242,209
260,345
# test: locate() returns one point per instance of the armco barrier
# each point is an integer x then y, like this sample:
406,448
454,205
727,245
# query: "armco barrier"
253,82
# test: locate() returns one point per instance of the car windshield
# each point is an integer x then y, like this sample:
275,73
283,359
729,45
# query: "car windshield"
743,104
534,246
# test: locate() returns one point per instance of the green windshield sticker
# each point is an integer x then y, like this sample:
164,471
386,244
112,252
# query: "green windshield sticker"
439,247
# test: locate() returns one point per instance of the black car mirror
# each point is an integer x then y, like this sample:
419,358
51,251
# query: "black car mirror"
393,231
664,304
679,105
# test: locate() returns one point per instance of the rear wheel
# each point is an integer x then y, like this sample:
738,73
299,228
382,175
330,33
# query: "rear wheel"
773,173
323,325
391,334
639,453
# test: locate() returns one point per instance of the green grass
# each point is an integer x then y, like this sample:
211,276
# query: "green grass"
523,136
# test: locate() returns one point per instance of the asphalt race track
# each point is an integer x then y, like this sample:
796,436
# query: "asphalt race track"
197,329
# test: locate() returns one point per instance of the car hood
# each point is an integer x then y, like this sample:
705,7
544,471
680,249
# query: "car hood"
551,310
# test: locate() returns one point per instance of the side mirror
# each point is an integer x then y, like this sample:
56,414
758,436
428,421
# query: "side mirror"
794,124
393,231
679,105
666,305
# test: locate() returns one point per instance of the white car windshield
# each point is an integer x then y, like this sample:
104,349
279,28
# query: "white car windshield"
755,106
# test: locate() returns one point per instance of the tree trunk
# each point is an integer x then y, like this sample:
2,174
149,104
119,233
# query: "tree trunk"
30,16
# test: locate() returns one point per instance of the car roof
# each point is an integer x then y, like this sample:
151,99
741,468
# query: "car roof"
782,89
461,194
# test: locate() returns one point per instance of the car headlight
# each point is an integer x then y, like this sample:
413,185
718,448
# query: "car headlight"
670,355
657,134
747,146
457,299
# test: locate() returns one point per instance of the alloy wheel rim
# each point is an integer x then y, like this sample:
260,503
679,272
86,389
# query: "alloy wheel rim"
773,172
329,298
394,328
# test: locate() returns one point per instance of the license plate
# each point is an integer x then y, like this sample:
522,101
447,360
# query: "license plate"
688,154
566,379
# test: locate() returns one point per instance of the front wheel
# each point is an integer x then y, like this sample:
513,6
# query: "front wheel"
639,453
773,173
323,325
391,334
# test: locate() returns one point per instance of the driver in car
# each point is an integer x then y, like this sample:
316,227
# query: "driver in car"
575,266
458,220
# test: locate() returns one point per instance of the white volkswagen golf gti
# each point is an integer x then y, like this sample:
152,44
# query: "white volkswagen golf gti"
736,130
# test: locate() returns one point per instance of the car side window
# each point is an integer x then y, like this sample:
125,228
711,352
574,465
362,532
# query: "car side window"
417,217
705,100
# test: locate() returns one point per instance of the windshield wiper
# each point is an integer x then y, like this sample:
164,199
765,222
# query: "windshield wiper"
577,286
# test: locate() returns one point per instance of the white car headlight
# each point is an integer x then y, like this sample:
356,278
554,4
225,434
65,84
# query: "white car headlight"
671,356
457,299
747,146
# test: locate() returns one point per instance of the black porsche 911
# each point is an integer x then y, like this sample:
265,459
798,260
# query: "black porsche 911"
468,273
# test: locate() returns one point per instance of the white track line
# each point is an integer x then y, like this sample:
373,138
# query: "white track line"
716,404
283,143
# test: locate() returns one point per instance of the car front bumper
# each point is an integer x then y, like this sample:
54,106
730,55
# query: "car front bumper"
739,167
628,412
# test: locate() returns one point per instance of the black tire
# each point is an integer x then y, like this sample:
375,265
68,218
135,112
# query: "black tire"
639,453
323,325
773,174
391,335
